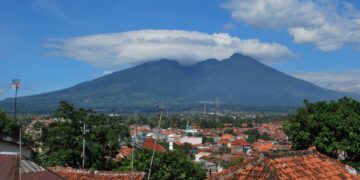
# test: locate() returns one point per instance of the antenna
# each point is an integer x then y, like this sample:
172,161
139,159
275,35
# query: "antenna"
16,86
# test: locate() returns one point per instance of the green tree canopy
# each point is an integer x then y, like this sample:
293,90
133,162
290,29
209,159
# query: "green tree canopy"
8,127
62,140
332,126
168,165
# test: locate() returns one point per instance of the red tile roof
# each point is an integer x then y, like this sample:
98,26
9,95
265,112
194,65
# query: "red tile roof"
263,147
240,142
149,143
124,151
298,166
227,136
290,165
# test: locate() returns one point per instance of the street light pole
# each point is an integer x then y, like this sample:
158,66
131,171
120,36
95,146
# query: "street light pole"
16,85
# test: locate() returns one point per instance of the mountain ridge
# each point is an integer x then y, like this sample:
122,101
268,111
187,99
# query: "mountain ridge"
237,80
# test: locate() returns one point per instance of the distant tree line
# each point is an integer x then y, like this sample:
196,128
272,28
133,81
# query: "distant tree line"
179,121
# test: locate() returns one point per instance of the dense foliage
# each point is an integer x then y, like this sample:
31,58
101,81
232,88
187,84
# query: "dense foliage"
333,127
62,140
8,127
168,165
254,135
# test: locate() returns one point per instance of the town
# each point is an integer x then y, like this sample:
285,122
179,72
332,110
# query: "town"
216,145
179,90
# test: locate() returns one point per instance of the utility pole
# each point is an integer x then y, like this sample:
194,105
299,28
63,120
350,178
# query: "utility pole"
16,85
83,151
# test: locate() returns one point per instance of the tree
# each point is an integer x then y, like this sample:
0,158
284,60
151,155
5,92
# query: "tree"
63,138
253,135
229,131
168,165
332,126
8,126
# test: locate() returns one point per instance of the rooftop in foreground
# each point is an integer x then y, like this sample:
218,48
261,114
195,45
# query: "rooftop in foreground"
307,164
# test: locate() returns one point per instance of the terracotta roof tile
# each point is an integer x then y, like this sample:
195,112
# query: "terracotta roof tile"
296,165
227,136
240,142
149,143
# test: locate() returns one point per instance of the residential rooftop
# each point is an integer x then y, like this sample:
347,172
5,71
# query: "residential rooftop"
307,164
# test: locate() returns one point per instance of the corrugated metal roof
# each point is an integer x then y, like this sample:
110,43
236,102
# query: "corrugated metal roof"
27,166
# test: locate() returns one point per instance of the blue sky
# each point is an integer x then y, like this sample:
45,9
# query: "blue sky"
40,44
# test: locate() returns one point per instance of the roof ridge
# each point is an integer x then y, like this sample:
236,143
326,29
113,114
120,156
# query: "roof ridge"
289,153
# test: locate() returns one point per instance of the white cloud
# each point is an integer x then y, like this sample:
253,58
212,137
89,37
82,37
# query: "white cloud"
106,72
346,81
327,24
135,47
229,26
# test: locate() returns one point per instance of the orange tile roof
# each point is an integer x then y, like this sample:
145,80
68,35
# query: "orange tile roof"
149,143
123,152
254,172
266,147
240,142
227,136
301,165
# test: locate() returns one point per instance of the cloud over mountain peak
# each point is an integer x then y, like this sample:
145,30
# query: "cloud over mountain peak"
187,47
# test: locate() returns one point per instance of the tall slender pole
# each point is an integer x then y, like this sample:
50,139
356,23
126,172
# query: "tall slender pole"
15,102
156,138
83,151
15,105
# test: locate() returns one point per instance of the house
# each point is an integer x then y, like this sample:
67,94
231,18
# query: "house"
268,146
298,165
306,164
191,140
149,143
199,155
227,139
124,152
239,146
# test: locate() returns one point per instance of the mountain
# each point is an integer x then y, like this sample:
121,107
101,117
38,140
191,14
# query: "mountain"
238,80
